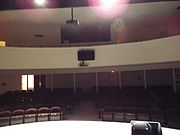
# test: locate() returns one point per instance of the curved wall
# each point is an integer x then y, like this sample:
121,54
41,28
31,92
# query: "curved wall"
148,52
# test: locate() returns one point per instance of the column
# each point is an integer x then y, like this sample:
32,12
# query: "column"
52,82
97,85
174,80
120,80
36,82
74,82
27,82
145,80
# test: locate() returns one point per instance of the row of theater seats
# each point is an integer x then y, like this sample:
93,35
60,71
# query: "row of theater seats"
20,116
168,117
135,103
68,97
159,94
43,97
138,97
163,94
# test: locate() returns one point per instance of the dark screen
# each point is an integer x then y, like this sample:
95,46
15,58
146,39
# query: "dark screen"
85,33
86,55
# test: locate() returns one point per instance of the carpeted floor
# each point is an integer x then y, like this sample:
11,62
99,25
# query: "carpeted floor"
85,110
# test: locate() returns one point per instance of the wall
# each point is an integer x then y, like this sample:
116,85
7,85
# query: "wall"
154,51
138,22
60,81
51,35
132,78
111,79
136,33
177,74
11,82
108,79
86,81
159,77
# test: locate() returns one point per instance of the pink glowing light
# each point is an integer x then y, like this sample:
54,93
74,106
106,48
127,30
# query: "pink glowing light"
108,8
40,2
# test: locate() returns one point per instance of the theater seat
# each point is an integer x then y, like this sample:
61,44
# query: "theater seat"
43,114
143,114
30,115
107,113
119,114
5,118
56,113
172,118
17,117
157,115
130,113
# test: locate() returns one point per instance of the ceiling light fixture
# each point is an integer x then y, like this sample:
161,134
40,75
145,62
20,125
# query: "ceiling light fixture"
108,8
40,2
72,21
108,3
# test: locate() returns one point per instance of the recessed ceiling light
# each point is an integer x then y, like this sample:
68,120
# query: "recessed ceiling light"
40,2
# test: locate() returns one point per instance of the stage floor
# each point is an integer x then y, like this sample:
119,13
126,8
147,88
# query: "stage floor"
75,128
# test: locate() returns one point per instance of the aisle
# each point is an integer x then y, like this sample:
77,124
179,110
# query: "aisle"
86,110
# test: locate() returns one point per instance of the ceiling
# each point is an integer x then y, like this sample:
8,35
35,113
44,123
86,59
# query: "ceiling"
27,4
142,21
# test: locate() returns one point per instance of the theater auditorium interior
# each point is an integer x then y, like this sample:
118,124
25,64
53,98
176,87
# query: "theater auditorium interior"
107,61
